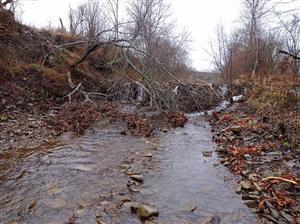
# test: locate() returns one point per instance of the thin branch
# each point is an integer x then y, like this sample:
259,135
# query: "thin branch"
279,178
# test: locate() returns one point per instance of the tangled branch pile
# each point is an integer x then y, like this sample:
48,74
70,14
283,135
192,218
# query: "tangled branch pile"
77,117
148,125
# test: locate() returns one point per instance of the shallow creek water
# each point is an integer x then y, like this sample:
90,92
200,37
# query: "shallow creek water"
82,178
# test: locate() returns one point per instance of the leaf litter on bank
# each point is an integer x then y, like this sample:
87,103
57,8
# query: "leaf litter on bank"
257,151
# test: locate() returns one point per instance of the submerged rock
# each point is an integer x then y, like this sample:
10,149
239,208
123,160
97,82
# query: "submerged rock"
211,220
149,222
207,153
131,205
132,172
145,211
149,155
138,178
251,203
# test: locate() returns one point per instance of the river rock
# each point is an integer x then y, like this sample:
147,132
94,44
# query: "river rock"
232,138
270,218
247,157
277,154
251,203
146,211
238,99
132,205
287,217
236,129
250,197
221,149
211,220
149,222
137,178
272,209
245,173
131,172
125,166
246,185
149,155
134,190
191,208
253,177
166,130
125,199
297,187
257,187
207,153
226,163
238,189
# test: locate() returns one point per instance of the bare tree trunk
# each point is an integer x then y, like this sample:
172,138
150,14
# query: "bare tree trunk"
62,27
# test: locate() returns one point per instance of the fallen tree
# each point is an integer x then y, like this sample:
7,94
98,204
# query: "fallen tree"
156,93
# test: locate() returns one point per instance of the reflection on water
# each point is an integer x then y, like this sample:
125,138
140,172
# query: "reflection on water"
82,177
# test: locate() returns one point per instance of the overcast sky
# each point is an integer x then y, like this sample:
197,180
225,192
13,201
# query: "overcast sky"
198,16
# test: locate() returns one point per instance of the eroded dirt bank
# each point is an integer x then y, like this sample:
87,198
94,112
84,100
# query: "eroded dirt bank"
97,177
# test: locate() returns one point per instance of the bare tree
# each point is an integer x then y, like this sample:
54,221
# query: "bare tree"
10,5
113,13
290,31
254,14
219,49
230,56
150,19
152,30
5,3
88,20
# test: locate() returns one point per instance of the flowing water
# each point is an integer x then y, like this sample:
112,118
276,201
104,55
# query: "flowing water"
82,178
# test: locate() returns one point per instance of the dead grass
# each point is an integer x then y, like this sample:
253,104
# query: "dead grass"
275,94
274,98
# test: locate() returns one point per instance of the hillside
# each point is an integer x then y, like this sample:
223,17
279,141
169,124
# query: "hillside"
38,77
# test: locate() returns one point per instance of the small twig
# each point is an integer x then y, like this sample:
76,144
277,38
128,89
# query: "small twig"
279,178
77,89
71,93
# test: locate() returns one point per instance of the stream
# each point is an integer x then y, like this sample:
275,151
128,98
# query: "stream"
83,179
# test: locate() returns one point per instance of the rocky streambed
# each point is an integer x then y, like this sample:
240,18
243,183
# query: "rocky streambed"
106,177
266,159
